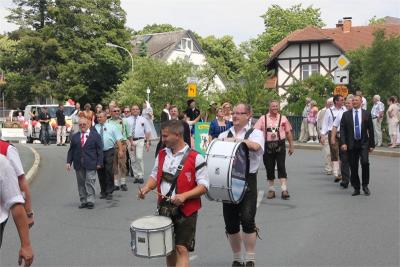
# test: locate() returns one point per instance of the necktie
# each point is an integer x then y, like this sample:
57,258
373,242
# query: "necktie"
357,127
82,139
134,126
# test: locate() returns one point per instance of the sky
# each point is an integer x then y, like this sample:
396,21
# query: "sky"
238,18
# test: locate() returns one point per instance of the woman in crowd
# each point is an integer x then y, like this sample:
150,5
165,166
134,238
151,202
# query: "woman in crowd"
392,115
218,125
88,113
227,110
312,122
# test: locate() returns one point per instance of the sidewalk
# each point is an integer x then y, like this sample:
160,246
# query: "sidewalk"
378,151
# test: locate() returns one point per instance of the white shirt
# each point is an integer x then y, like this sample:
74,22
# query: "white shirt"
141,126
10,193
377,108
336,122
328,119
364,103
13,157
171,164
256,136
359,120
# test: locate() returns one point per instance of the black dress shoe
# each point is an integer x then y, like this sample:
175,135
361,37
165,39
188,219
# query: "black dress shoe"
82,206
237,264
250,264
366,191
356,193
109,197
136,181
90,205
344,185
102,196
124,187
140,181
116,188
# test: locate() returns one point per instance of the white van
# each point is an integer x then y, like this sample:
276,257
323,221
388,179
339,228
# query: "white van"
32,126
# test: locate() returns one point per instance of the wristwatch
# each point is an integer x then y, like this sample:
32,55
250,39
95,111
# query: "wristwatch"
29,214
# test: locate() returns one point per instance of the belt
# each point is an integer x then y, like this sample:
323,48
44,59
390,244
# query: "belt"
374,117
139,138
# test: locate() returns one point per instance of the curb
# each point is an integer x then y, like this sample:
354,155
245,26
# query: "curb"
392,154
33,170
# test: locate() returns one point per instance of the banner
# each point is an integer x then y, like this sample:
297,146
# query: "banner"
201,137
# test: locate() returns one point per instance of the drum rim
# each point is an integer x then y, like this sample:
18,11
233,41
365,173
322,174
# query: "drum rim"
153,216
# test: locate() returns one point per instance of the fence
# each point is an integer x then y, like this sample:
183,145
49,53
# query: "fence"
295,121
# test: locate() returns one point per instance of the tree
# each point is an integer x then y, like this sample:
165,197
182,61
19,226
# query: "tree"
317,87
31,13
279,23
157,28
376,70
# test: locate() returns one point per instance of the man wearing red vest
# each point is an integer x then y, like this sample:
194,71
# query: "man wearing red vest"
191,183
11,153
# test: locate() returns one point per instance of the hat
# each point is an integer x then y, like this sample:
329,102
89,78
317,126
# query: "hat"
212,103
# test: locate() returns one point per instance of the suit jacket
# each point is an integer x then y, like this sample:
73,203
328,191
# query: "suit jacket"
90,155
347,129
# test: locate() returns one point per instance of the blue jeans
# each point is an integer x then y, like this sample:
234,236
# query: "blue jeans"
44,132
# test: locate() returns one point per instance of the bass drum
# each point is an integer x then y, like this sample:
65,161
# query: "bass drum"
228,168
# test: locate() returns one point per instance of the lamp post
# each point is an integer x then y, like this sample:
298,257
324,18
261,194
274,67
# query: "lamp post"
148,94
117,46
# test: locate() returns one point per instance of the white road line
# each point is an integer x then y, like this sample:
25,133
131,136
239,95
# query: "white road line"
260,197
192,257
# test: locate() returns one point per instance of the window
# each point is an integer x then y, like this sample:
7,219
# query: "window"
185,43
308,69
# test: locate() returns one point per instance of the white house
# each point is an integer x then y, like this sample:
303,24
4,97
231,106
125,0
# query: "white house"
313,50
170,46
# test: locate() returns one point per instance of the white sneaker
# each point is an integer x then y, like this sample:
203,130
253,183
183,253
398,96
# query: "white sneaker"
310,142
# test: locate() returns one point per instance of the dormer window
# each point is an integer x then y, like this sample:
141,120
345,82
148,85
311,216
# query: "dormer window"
186,43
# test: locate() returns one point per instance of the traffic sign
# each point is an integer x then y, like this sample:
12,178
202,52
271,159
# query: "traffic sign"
341,90
341,77
192,90
342,62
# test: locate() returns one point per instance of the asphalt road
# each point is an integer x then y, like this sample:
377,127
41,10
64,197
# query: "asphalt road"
321,225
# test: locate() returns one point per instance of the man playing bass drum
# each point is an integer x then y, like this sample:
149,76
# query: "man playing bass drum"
180,176
244,212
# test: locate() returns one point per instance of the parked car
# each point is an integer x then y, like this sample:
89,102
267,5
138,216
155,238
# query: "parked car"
32,125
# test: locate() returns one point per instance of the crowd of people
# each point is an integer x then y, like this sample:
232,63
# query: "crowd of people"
109,144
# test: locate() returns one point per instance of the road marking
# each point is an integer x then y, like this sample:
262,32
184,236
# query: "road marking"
32,172
192,257
260,197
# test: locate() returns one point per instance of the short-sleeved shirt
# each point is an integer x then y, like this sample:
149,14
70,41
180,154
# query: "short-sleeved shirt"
272,122
138,126
123,126
10,194
44,116
171,164
60,117
257,137
111,134
15,160
376,109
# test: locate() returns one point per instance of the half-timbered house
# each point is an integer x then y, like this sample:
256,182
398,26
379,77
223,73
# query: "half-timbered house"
314,50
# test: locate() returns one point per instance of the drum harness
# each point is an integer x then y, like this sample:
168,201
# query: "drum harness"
165,207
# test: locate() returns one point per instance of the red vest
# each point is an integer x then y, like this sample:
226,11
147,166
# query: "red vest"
4,147
186,181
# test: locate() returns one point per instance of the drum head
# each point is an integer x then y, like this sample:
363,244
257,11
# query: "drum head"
239,172
151,222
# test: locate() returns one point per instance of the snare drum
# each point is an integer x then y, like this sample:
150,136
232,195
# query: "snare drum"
228,167
152,236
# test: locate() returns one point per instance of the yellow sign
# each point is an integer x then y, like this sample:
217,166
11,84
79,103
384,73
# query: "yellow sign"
192,90
341,90
342,62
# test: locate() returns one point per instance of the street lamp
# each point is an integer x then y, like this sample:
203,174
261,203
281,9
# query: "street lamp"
148,94
117,46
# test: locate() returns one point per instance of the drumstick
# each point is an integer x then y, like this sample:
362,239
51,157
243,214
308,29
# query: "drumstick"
155,192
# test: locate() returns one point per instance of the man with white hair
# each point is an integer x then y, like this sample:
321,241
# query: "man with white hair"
324,138
377,116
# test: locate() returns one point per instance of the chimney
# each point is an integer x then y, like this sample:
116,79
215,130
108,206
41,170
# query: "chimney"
346,24
339,24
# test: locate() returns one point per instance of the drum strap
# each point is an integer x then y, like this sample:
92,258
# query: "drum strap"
178,171
246,136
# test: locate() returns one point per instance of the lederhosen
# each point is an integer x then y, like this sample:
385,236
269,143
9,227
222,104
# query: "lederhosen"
274,153
244,212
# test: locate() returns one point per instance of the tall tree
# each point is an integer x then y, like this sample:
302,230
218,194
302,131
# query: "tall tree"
31,13
157,28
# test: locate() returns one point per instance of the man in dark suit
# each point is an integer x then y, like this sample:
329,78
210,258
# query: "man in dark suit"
86,153
357,137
